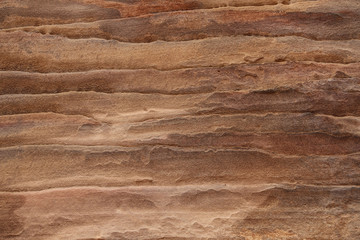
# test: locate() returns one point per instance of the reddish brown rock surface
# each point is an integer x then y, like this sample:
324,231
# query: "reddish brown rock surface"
190,119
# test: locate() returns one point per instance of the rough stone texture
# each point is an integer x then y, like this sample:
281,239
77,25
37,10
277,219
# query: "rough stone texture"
189,119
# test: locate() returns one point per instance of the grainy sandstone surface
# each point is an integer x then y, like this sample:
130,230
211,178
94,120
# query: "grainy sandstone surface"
189,119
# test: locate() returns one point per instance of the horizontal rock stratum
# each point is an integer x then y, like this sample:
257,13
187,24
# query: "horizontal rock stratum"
189,119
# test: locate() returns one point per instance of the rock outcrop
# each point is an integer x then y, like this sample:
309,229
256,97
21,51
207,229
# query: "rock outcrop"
190,119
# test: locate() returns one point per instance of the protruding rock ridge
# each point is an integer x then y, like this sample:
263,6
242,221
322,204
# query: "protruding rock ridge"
58,54
181,81
189,119
233,210
39,12
203,24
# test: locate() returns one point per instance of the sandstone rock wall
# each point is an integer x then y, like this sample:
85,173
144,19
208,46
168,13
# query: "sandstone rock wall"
189,119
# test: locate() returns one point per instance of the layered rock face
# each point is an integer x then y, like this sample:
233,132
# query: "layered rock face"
189,119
